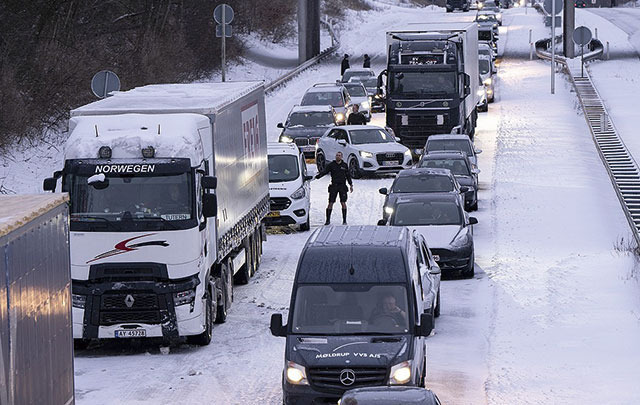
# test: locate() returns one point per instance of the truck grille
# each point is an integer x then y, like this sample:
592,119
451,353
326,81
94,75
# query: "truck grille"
111,318
138,301
386,157
279,203
328,378
419,127
130,307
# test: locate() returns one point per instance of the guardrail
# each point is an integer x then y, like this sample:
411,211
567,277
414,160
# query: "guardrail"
596,50
335,44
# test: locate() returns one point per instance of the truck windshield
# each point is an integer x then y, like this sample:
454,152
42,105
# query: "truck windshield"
484,66
310,119
485,35
124,203
345,309
461,145
457,166
426,213
421,84
362,136
283,168
422,184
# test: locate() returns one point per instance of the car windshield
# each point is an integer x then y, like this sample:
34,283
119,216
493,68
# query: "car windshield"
310,119
422,184
372,82
457,166
484,66
484,51
373,135
422,83
486,18
356,90
485,35
462,145
347,309
426,213
350,75
332,98
120,199
283,168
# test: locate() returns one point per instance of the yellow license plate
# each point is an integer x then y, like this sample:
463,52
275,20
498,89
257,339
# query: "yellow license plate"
273,214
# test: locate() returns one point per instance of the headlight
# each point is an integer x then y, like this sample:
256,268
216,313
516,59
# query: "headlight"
299,193
296,374
407,153
340,116
400,373
480,92
487,81
184,297
286,139
365,105
366,155
499,16
377,96
78,301
460,240
388,210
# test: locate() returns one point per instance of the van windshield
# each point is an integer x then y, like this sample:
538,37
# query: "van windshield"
283,168
347,309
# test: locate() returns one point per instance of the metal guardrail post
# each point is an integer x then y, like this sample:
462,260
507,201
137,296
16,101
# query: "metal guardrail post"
530,50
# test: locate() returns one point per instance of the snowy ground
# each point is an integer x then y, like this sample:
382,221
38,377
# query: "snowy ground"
552,315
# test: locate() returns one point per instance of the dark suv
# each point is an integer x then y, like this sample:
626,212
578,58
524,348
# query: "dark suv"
361,308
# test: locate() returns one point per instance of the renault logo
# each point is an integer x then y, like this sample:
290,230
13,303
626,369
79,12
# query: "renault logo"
347,377
128,300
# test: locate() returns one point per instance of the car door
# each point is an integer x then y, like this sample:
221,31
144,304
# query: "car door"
328,144
427,287
431,265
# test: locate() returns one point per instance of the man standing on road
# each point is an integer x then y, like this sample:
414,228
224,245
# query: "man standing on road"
356,117
367,61
339,178
345,64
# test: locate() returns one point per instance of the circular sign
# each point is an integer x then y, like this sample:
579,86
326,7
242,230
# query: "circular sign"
547,5
228,14
582,36
104,82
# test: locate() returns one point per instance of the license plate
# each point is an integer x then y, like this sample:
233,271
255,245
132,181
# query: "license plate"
390,163
311,148
273,214
131,333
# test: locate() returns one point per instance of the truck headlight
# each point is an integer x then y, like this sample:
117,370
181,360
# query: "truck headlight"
388,210
184,297
286,139
78,301
400,373
296,374
365,105
299,193
487,81
366,155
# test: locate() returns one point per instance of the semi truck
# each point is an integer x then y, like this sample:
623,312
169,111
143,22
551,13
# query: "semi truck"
168,187
431,81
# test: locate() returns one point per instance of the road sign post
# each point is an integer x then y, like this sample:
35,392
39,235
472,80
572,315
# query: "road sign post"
553,7
582,36
223,15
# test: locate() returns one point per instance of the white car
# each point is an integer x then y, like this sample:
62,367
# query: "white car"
357,72
485,65
460,143
359,95
289,186
365,148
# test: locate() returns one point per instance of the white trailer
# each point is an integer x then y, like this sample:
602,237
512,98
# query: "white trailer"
168,187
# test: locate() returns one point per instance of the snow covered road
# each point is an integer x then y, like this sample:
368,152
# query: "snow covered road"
551,316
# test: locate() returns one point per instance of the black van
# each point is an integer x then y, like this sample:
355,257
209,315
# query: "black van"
357,315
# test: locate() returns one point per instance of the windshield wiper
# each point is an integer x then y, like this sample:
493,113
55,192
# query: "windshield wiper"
93,217
166,221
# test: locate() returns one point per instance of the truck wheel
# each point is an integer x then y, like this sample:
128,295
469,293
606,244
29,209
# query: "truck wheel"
204,338
307,225
354,169
321,162
244,274
227,293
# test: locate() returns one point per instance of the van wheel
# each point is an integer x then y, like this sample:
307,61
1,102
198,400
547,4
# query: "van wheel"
204,338
321,162
307,225
436,311
354,169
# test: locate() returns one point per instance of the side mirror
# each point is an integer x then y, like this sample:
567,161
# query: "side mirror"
209,205
383,191
280,125
475,171
49,184
473,220
464,189
209,182
277,329
382,222
426,325
342,142
435,269
307,178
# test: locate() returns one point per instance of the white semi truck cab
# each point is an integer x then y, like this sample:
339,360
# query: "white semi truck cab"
168,186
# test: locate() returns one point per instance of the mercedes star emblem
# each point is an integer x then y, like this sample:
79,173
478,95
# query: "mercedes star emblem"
347,377
129,300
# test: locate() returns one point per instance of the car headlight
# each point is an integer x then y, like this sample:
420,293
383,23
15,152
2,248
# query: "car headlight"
299,193
377,96
78,300
400,373
296,374
499,16
286,139
366,155
461,240
340,116
487,81
407,153
365,105
184,297
388,210
480,92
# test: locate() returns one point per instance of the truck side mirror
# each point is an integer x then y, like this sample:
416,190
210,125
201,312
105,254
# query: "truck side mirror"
49,184
209,182
383,191
426,325
467,84
209,205
277,329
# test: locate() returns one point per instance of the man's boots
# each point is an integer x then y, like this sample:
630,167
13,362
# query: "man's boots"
328,221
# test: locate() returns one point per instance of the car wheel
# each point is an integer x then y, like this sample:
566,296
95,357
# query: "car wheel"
436,311
491,100
354,169
204,338
321,162
305,226
469,271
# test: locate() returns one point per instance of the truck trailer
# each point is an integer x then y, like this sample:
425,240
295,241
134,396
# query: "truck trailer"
431,81
168,187
36,344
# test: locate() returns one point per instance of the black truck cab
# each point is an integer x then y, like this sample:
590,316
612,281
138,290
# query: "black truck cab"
357,314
